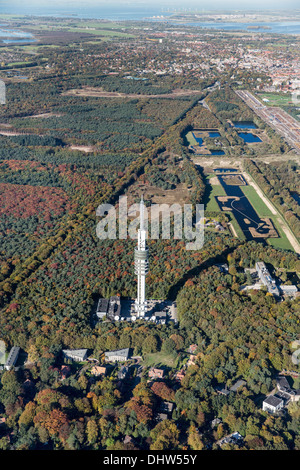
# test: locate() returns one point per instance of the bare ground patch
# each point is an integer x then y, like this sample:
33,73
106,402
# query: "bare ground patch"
100,93
82,148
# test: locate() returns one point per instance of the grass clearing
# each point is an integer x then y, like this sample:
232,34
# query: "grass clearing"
100,32
191,139
160,359
263,211
256,201
211,203
276,99
281,242
236,227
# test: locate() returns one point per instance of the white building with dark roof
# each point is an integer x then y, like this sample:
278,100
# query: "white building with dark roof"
273,404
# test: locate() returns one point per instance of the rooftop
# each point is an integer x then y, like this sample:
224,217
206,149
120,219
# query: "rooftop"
81,353
237,385
273,400
13,355
118,352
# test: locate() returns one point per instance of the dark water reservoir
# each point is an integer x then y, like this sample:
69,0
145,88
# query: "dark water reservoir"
244,124
249,137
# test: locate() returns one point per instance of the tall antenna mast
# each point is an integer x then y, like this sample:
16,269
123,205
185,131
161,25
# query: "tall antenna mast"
141,256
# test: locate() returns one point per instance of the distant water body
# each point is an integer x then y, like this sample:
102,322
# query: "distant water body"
139,13
14,36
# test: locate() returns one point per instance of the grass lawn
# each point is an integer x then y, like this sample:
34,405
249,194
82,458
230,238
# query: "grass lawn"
263,211
160,359
276,99
102,32
191,139
211,203
256,201
236,227
15,64
281,242
97,24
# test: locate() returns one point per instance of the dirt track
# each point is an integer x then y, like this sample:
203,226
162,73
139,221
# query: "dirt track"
100,93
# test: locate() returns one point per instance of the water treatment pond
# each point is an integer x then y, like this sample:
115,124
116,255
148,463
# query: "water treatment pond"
249,137
244,124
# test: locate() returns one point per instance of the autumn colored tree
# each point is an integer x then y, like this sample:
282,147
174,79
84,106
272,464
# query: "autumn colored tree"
164,436
163,391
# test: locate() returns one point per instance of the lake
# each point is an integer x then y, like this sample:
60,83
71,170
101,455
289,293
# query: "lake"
284,27
242,209
244,124
198,139
12,36
296,196
136,12
249,137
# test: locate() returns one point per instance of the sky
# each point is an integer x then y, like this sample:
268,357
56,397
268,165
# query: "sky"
201,4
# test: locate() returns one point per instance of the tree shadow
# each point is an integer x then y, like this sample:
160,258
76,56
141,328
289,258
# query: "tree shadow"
220,258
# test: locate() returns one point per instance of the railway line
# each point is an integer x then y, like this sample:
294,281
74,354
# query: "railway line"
277,118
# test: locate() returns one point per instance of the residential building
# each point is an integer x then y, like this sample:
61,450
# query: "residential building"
222,391
65,372
286,391
179,375
191,361
156,373
161,417
237,385
215,422
167,407
273,404
77,355
123,372
117,356
192,348
234,438
98,370
12,358
283,384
